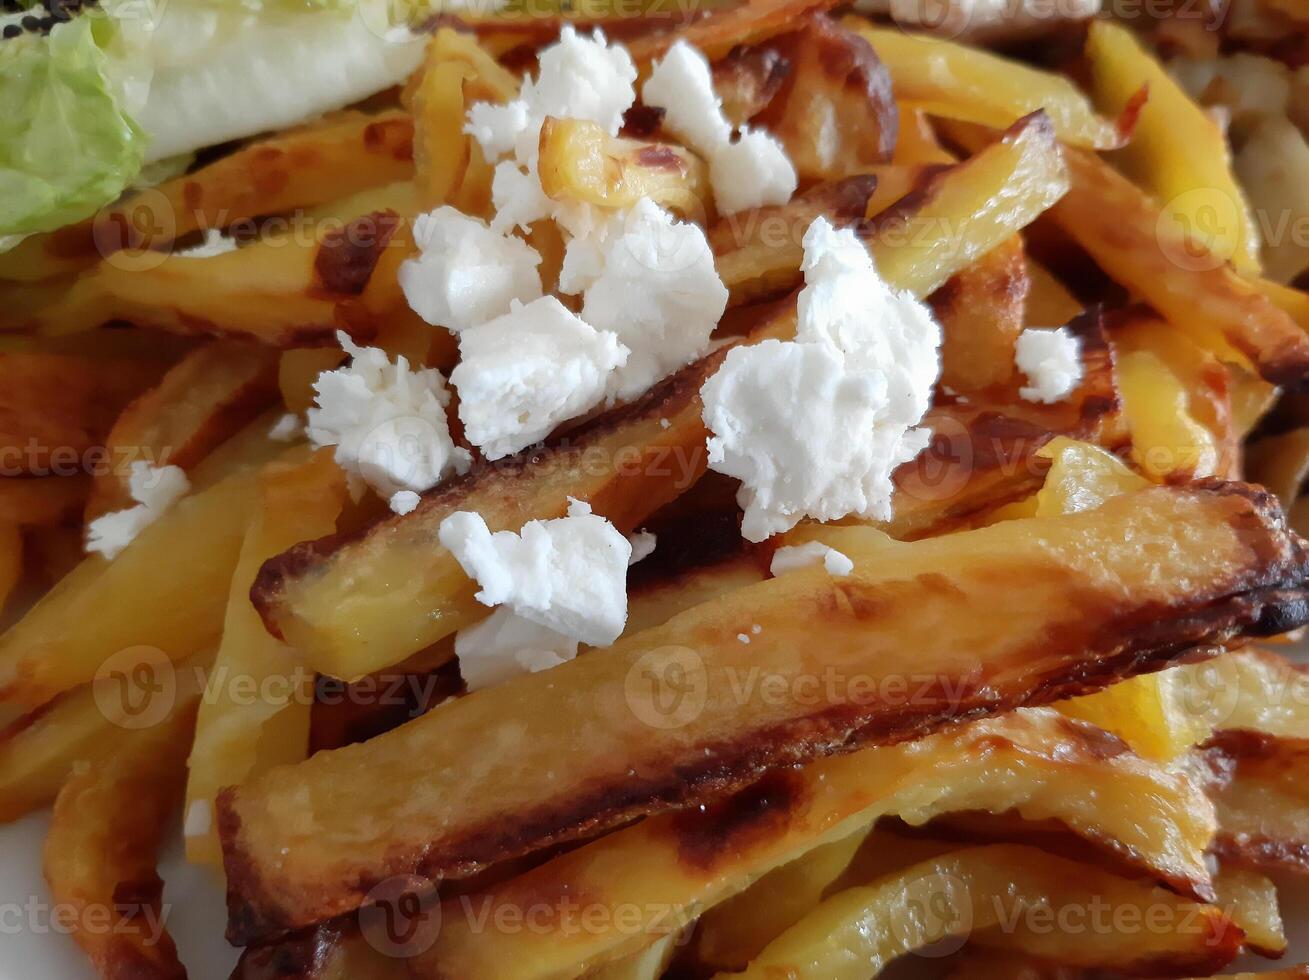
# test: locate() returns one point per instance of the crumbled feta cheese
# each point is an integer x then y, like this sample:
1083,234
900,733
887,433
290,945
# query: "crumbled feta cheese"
643,545
682,84
1052,361
659,292
742,638
505,645
517,197
753,172
497,127
567,574
215,243
404,502
155,489
288,428
815,427
387,422
522,374
465,273
793,557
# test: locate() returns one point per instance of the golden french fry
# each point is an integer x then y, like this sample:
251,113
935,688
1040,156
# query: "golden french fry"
1128,235
344,154
56,408
1281,463
238,736
108,826
747,79
959,82
1250,900
724,29
835,113
440,147
41,501
1049,303
165,595
981,312
203,400
1177,152
988,893
581,162
1227,543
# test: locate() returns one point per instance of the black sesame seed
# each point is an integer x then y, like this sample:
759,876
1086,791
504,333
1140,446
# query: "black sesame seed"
30,23
12,30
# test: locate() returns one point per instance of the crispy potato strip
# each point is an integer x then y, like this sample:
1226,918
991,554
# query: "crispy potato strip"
203,401
581,162
1004,895
100,854
1104,582
1178,152
156,595
303,168
1123,230
725,29
959,82
238,736
981,311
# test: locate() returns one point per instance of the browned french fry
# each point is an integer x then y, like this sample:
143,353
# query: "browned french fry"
164,594
284,290
747,79
1250,900
835,113
441,150
55,408
1257,782
989,894
581,162
11,559
1121,227
303,168
201,402
725,28
545,782
41,501
981,312
100,854
671,867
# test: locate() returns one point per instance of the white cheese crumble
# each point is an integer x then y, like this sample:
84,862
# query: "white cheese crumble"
752,172
505,645
465,273
387,422
568,574
643,545
815,427
522,374
658,291
790,558
288,428
155,489
404,502
199,819
1052,361
215,243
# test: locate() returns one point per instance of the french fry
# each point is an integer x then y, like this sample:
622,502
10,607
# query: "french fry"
441,150
647,964
285,290
747,79
1121,227
56,408
200,403
835,113
1268,163
77,730
100,854
930,235
990,893
981,312
580,162
165,593
1281,463
1257,783
724,29
1213,538
1177,152
41,501
1250,900
11,560
346,153
238,736
958,82
299,368
672,866
1048,300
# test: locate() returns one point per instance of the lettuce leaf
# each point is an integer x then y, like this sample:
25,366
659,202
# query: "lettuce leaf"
67,144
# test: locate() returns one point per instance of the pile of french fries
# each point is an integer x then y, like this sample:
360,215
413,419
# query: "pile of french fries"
1049,726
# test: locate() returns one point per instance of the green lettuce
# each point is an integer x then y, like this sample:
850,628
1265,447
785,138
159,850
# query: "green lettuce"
67,144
